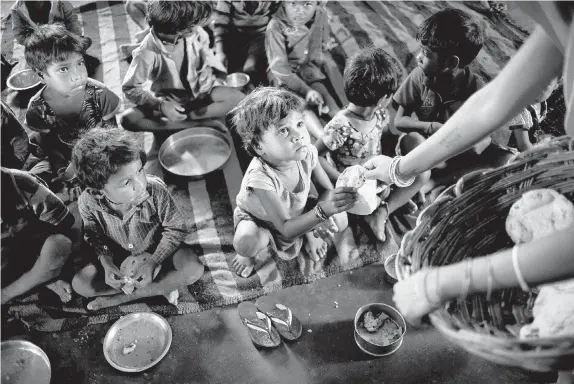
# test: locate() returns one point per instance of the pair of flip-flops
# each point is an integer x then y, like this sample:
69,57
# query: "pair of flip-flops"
268,321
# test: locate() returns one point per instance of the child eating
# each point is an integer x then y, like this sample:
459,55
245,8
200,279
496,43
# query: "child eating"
70,104
275,189
354,135
174,73
36,232
239,35
128,215
295,39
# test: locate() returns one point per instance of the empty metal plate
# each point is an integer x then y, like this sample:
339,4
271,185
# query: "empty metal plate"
137,342
23,80
24,363
195,151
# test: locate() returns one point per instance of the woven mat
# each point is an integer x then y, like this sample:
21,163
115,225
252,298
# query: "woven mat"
208,204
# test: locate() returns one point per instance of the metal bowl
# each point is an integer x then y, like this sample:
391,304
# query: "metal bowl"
237,80
390,269
195,151
149,332
24,79
24,363
370,347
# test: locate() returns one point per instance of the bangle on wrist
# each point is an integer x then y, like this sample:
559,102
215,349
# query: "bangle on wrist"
319,213
396,177
517,271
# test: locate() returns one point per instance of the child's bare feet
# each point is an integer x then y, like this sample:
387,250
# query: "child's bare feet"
315,247
62,289
172,297
243,266
377,221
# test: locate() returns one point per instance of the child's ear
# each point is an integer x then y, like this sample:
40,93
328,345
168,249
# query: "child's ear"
453,62
256,147
98,194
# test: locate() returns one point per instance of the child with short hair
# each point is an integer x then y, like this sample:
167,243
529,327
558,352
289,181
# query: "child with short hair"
239,35
450,40
274,192
296,38
354,135
36,232
182,71
70,103
128,213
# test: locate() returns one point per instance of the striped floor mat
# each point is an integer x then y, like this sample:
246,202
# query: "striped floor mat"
208,204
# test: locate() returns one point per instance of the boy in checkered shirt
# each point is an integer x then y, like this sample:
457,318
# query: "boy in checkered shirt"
128,214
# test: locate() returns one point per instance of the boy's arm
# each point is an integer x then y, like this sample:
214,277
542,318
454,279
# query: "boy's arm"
174,228
71,18
221,20
405,123
278,62
321,179
140,71
50,209
522,139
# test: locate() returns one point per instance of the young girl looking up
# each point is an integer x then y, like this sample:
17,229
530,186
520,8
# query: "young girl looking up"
295,41
354,135
275,189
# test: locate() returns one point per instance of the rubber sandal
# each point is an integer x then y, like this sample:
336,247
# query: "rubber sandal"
259,325
288,325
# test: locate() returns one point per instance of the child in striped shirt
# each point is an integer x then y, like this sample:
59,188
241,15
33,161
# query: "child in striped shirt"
129,217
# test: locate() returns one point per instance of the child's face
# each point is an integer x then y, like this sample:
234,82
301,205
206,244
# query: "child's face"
67,77
547,91
300,12
430,62
127,184
286,141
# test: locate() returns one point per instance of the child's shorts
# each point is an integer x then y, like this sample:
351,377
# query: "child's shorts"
286,249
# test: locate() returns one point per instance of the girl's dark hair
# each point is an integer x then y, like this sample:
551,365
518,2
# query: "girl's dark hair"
172,17
51,43
452,33
370,75
259,110
100,153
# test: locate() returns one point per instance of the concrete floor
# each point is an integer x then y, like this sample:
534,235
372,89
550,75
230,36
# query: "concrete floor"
214,347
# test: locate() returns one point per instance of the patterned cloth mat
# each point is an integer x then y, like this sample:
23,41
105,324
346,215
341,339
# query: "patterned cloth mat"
208,203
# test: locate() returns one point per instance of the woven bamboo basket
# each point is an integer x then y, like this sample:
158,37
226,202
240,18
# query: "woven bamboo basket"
467,220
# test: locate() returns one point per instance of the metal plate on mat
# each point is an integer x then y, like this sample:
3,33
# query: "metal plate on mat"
137,342
195,151
24,363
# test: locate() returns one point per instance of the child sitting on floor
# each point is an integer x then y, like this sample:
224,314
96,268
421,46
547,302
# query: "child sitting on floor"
519,132
36,232
296,38
174,73
354,135
70,104
33,13
275,189
239,35
450,40
128,213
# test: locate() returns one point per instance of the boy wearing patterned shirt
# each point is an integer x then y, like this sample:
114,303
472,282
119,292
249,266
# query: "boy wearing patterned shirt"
128,213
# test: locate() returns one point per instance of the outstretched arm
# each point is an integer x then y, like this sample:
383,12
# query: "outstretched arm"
538,60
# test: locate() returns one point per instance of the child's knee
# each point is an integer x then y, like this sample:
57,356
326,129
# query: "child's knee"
249,239
341,220
131,118
56,249
187,261
82,283
423,177
410,141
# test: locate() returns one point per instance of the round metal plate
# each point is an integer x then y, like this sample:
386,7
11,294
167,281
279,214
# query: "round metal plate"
24,363
195,151
151,335
23,80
